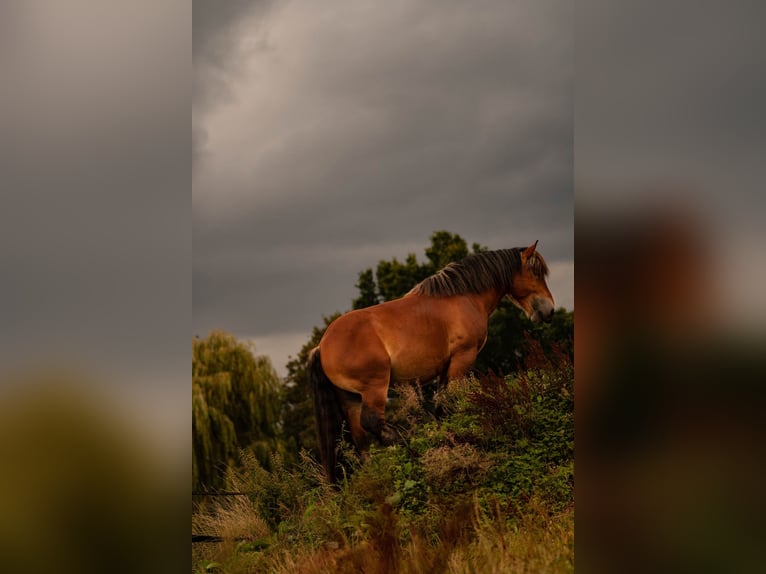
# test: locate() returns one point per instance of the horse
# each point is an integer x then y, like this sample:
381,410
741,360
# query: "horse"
432,333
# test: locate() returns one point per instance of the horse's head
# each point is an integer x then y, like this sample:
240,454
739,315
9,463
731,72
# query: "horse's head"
529,290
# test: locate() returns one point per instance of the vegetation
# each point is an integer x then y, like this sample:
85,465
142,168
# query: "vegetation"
486,487
481,479
395,279
236,399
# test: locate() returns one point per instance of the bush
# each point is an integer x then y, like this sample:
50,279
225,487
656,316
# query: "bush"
488,486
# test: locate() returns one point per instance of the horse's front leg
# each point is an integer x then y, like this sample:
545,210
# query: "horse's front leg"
373,417
460,363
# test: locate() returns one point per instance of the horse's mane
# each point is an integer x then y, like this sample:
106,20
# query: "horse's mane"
480,272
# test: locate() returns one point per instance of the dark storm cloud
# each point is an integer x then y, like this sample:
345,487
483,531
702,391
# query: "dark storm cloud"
359,130
216,29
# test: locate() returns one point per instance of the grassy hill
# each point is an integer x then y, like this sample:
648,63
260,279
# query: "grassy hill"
485,486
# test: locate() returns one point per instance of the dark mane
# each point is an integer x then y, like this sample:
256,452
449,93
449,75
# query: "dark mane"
480,272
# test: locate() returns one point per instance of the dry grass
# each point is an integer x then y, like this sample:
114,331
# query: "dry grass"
234,518
469,541
448,397
406,410
445,464
534,545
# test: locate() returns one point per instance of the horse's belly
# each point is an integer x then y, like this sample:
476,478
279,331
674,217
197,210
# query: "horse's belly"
412,366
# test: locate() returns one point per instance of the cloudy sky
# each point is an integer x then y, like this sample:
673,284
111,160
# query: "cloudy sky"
328,136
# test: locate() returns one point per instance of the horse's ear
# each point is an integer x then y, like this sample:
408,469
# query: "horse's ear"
529,251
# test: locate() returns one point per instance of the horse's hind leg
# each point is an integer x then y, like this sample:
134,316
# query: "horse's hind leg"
352,405
373,413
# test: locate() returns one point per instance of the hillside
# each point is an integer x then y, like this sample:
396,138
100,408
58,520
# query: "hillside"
484,485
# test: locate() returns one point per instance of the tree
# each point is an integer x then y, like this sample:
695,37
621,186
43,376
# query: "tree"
298,405
504,348
395,279
368,291
235,405
445,248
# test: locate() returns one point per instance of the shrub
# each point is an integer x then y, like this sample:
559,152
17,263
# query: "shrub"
487,486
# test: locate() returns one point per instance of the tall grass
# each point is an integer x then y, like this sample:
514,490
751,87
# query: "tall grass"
487,486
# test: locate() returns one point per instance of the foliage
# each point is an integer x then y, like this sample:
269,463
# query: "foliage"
445,248
297,406
486,487
235,405
510,333
368,291
395,279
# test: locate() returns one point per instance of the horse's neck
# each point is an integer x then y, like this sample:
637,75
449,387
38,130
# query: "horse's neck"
488,301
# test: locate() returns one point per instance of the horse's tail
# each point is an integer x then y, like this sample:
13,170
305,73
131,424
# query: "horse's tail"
329,418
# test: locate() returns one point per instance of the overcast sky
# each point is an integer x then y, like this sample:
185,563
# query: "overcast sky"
328,136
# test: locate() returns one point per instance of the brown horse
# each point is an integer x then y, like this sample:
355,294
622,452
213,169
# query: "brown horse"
434,332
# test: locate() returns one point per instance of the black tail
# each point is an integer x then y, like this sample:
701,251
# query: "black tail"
329,418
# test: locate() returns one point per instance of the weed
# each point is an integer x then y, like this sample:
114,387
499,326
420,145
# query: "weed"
485,487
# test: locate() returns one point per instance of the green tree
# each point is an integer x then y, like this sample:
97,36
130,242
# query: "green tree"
298,405
368,291
504,348
395,278
235,405
559,333
445,248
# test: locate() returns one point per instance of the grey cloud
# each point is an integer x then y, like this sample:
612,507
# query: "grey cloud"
216,56
215,28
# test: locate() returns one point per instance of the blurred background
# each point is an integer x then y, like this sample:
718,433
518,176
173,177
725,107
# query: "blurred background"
669,345
95,251
95,245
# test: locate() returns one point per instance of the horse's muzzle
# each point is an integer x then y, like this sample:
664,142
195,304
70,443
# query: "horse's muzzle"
543,311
